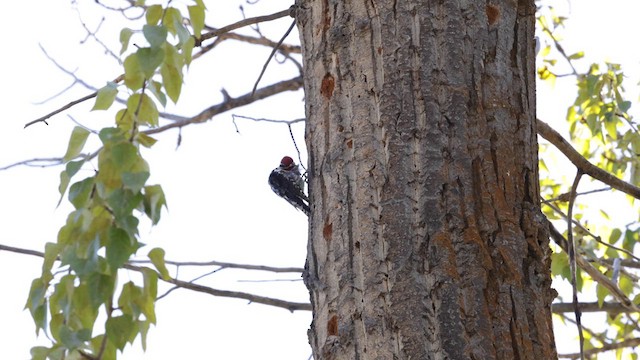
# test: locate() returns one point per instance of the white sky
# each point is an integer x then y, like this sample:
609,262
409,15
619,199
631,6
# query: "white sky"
220,207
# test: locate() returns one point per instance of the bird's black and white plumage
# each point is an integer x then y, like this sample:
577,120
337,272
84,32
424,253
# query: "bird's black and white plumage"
286,182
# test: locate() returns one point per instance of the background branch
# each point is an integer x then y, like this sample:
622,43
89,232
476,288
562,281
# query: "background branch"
552,136
289,305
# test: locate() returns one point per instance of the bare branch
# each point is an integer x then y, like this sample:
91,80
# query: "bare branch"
623,262
606,347
283,48
289,305
232,103
288,122
583,164
243,23
69,105
226,265
36,162
21,251
608,307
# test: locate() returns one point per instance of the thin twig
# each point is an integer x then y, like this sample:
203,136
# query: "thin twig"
35,162
565,196
297,150
572,259
69,105
288,122
587,231
275,48
592,333
560,49
226,265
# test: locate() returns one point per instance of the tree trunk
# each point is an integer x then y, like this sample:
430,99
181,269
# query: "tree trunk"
426,237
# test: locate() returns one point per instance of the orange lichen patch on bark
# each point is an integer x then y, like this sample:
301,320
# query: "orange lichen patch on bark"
493,13
471,235
332,326
327,231
328,84
441,243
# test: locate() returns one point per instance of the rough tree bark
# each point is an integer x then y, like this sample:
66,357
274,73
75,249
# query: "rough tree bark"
426,238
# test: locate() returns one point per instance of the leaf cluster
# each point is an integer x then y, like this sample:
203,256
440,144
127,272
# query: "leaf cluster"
79,280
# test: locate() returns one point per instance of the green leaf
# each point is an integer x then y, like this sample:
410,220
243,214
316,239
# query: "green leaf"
578,55
196,15
100,288
128,299
172,78
145,140
149,60
135,181
118,329
173,57
123,201
111,135
187,50
105,97
150,292
39,352
78,138
110,352
74,339
145,109
612,128
624,105
124,120
120,248
155,35
51,252
80,192
36,303
124,155
83,309
71,169
129,223
154,13
626,285
560,265
154,200
125,36
614,236
143,328
601,294
156,256
156,89
171,19
133,75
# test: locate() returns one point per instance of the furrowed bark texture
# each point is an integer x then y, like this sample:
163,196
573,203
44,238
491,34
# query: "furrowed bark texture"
426,238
